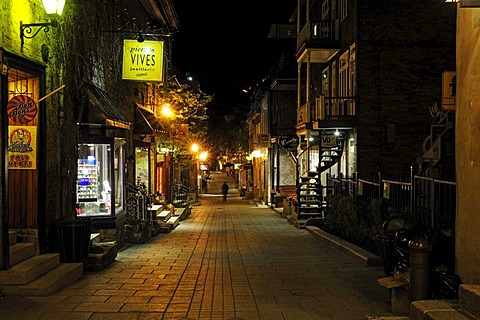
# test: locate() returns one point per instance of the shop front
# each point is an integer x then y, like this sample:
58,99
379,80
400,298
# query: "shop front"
101,164
22,84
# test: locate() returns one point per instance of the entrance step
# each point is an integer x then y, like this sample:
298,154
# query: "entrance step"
49,283
29,269
12,237
467,307
174,221
164,215
21,251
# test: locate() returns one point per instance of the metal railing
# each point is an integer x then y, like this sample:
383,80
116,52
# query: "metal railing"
181,194
431,202
318,30
334,107
138,201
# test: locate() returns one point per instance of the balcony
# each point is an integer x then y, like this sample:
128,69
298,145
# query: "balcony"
305,115
334,112
318,41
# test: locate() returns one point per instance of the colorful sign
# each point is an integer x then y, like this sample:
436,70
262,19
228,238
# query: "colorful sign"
142,61
22,109
22,147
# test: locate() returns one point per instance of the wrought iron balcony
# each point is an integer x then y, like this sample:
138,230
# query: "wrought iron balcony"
318,41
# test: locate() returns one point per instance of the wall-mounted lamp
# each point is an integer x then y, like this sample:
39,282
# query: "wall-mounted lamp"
140,37
54,10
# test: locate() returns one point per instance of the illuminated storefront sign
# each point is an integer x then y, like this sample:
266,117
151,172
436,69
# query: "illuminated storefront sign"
142,61
22,147
21,109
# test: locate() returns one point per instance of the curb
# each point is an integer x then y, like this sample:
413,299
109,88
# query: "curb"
367,258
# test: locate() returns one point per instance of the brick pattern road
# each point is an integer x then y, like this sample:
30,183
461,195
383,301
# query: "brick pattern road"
229,260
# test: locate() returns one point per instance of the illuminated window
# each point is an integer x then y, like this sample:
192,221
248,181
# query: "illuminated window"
100,179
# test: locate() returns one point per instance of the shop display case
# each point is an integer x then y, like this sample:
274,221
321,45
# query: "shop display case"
87,183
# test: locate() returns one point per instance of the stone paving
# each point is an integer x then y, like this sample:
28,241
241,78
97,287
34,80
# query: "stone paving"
229,260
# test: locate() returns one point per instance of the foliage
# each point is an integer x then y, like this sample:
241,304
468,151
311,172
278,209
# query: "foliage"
189,104
353,222
232,144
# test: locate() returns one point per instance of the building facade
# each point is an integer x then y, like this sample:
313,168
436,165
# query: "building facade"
86,130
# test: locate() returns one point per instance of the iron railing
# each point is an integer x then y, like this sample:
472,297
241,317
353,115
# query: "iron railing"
431,202
138,202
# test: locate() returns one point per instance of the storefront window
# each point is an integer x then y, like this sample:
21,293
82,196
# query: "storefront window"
141,165
96,179
119,173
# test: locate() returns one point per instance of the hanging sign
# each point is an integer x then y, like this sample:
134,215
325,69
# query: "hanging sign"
21,109
142,61
263,140
22,147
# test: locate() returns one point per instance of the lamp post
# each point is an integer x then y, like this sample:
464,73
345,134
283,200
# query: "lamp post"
54,9
167,112
202,158
195,149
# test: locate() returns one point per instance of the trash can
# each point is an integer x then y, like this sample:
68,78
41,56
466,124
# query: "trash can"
74,240
386,243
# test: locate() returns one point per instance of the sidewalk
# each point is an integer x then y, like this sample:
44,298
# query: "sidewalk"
228,260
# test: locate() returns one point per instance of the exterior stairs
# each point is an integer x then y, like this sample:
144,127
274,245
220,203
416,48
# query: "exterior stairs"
467,307
36,275
309,199
311,204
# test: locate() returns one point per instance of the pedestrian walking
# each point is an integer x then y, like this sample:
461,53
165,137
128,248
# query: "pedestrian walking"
224,190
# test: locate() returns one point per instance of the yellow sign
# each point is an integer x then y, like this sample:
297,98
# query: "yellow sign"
22,147
142,61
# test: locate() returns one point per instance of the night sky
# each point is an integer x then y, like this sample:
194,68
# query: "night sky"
225,45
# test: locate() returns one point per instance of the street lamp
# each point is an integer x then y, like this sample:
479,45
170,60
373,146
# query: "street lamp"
168,113
54,10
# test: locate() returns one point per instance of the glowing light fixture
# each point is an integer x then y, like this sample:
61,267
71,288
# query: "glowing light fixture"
257,154
54,9
166,110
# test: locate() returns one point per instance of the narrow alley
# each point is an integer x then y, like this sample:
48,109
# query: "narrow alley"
230,260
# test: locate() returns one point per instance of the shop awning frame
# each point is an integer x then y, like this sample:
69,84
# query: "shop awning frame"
146,122
102,110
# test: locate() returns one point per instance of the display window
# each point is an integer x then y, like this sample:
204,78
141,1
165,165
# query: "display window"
100,179
142,170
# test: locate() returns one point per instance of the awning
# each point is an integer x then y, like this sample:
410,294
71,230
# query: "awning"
102,110
146,122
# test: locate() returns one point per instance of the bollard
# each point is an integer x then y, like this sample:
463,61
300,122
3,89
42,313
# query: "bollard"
419,248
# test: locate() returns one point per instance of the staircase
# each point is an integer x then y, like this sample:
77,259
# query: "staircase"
36,275
309,198
440,142
310,201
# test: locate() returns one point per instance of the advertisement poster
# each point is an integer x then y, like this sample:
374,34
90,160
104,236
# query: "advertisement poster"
22,147
142,61
22,109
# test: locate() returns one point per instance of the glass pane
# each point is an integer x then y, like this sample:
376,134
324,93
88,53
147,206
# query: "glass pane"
94,180
119,168
141,165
